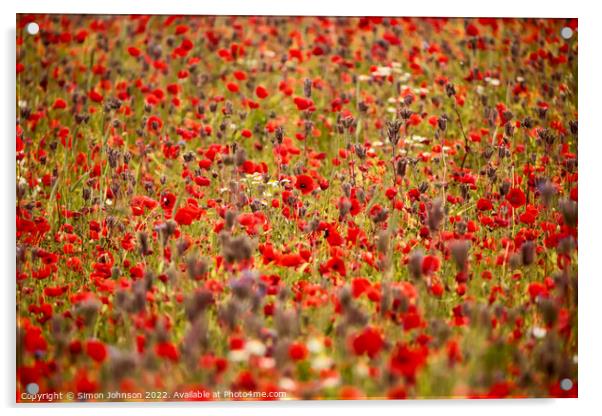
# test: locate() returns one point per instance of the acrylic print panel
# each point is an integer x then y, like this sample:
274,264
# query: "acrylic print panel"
276,208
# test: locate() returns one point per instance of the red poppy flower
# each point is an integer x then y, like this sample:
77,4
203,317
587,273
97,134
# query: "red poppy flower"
484,204
472,30
154,124
168,201
430,264
167,350
516,197
305,184
290,260
133,51
302,103
261,92
369,342
232,87
95,96
96,350
240,75
297,351
141,202
405,361
59,103
186,215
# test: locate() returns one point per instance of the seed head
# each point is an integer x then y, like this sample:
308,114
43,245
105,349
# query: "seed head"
415,263
436,214
393,131
307,88
459,252
527,251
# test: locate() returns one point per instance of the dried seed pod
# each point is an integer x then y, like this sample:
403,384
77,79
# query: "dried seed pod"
144,244
435,215
230,219
196,267
279,134
401,167
442,123
382,241
240,157
415,263
450,90
459,251
393,131
549,311
122,364
569,211
307,87
197,303
236,249
88,310
547,192
527,251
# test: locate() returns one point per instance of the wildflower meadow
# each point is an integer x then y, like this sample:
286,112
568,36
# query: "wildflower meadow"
287,208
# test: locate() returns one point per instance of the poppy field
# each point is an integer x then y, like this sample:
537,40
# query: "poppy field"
277,208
